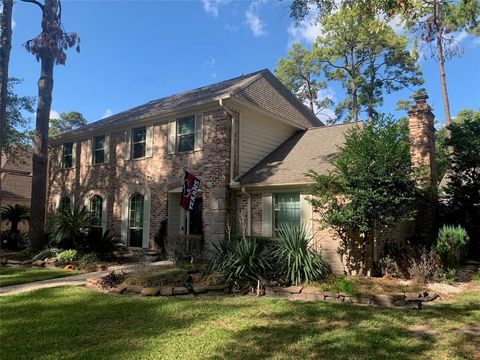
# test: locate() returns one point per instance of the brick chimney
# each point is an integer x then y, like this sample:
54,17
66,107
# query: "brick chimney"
422,136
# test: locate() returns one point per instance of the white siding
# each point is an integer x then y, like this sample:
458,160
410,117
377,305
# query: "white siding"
259,136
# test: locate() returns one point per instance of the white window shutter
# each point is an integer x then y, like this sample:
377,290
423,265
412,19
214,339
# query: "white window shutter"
198,131
60,156
74,155
172,135
89,152
267,212
306,214
128,144
149,142
107,149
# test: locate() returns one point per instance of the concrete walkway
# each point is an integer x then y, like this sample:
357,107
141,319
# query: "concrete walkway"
76,280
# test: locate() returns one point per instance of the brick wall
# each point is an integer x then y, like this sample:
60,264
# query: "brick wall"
160,173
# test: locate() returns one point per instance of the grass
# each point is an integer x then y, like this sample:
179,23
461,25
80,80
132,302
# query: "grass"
15,276
75,323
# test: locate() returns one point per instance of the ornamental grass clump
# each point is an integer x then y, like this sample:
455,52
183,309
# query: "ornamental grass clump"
295,257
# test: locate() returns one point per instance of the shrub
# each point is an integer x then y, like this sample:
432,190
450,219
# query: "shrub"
111,280
242,261
424,267
184,248
295,257
71,227
451,246
158,278
67,255
448,276
87,259
105,246
389,267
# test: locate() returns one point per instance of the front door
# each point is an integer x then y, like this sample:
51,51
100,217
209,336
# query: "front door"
195,223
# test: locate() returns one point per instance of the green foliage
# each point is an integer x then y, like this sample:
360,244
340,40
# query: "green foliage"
66,122
71,227
451,246
15,139
295,258
338,283
243,262
367,57
300,73
48,253
15,214
372,184
448,276
87,259
158,278
463,182
67,255
105,246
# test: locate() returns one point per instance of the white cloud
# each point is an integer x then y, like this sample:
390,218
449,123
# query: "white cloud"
397,25
306,31
210,65
230,27
459,37
13,24
54,114
253,20
107,113
326,114
211,6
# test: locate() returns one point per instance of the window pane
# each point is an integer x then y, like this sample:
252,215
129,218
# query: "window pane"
139,134
186,142
287,209
96,203
99,142
136,211
186,125
138,150
99,156
65,204
67,155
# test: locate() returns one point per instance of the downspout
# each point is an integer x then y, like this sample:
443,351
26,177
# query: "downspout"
232,140
249,211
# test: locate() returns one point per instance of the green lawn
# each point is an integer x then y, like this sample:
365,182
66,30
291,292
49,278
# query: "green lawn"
72,322
14,276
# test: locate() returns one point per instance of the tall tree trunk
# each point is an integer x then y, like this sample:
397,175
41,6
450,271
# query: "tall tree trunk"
354,102
310,96
40,141
5,46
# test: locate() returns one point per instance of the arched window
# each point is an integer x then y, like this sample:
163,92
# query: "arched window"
96,205
65,204
135,220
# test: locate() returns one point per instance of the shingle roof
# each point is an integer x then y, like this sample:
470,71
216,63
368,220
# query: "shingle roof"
299,114
305,150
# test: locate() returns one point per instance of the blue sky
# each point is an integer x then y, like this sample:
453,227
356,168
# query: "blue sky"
136,51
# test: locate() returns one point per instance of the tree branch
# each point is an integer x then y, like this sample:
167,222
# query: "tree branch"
34,2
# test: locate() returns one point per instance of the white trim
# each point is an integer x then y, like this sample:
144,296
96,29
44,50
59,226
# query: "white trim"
104,195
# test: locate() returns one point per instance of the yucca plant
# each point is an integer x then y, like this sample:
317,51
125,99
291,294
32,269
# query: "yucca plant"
295,257
71,226
15,214
243,262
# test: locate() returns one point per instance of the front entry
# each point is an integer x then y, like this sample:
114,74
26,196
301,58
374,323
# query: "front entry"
180,221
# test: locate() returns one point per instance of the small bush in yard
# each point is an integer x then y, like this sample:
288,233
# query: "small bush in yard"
46,254
424,267
87,259
111,280
451,246
67,255
448,276
172,277
295,257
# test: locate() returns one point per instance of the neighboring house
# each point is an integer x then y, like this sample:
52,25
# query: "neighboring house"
16,183
248,139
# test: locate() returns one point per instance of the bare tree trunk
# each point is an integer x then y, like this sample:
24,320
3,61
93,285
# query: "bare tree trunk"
5,46
310,96
40,141
354,103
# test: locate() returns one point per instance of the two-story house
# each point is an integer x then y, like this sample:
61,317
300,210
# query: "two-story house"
249,140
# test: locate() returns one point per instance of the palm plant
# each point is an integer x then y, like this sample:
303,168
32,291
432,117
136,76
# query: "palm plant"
295,257
15,214
71,226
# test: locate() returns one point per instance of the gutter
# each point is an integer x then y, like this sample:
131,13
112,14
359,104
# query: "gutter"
233,184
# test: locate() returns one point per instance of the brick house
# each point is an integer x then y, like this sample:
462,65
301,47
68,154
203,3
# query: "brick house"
248,139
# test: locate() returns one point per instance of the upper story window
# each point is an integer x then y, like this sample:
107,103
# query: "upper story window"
286,209
67,160
185,134
139,142
99,147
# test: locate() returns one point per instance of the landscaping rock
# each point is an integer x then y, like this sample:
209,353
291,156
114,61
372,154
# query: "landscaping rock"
50,261
432,296
412,296
365,299
197,277
100,267
134,289
199,289
27,262
119,289
38,263
180,290
14,262
166,291
92,280
311,290
215,288
269,292
214,279
91,286
69,267
293,289
50,266
150,291
314,296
